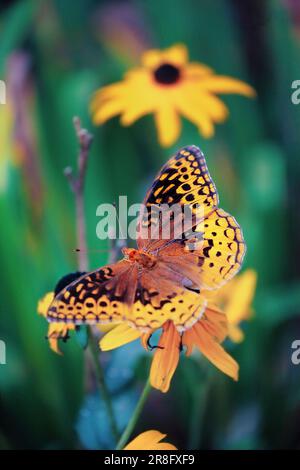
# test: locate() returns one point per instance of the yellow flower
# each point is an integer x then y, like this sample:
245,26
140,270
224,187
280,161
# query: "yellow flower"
169,86
56,330
235,299
206,334
149,440
227,308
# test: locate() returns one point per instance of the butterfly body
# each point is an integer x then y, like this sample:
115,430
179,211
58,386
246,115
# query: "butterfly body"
143,259
164,277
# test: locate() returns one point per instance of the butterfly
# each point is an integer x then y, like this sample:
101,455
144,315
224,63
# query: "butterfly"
162,279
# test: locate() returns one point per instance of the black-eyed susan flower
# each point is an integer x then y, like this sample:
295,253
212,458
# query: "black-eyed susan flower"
149,440
206,335
235,299
168,86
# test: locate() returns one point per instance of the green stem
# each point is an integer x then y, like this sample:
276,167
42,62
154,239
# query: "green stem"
135,416
197,415
93,346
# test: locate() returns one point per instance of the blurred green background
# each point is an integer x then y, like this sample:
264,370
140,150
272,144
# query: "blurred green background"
53,55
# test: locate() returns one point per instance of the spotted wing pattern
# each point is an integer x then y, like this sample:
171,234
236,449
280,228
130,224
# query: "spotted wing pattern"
183,180
223,249
100,296
209,252
183,309
210,259
120,292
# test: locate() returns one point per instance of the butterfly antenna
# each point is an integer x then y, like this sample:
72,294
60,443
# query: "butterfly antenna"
77,250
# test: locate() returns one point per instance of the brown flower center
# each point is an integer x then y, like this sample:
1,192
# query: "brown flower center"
167,74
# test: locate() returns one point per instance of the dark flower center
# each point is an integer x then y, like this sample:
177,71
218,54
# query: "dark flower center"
167,74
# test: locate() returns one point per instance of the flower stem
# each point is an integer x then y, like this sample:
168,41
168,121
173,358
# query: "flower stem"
199,403
93,346
200,394
135,416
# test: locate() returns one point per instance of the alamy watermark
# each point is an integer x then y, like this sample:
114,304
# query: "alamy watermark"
295,96
2,352
2,92
152,222
295,357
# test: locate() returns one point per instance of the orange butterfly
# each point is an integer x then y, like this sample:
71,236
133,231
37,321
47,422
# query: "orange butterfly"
162,278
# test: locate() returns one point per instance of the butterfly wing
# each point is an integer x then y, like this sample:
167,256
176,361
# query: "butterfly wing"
209,250
101,296
216,256
145,299
160,298
185,181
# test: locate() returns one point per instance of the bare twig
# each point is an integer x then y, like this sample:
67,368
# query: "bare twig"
76,182
85,140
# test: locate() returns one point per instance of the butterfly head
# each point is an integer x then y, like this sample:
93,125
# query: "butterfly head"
146,260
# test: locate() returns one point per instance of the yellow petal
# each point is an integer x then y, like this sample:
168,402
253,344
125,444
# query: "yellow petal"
106,327
215,107
58,331
136,110
235,333
152,58
200,118
197,70
145,338
165,358
149,440
210,348
44,303
107,110
107,92
238,306
53,343
224,84
177,55
215,322
118,336
168,124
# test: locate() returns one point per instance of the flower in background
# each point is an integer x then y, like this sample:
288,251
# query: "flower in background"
169,86
206,334
149,440
235,299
